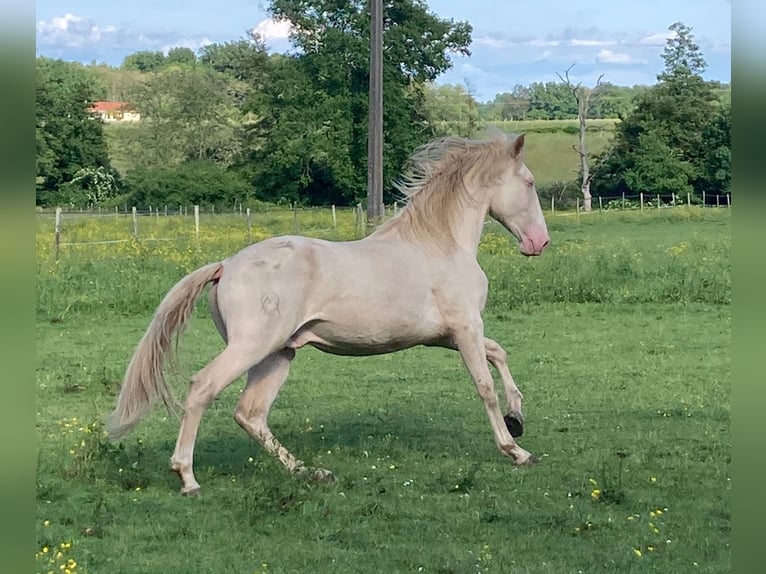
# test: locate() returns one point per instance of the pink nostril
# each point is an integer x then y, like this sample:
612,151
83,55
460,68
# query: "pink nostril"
547,241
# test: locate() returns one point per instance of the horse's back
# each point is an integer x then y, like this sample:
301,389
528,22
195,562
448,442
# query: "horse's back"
356,297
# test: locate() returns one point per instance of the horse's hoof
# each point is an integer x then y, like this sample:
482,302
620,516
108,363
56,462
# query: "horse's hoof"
322,475
191,492
515,425
529,461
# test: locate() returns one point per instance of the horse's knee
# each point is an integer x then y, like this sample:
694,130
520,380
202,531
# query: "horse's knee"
487,394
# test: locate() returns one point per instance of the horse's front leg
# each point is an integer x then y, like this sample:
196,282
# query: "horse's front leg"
514,419
469,340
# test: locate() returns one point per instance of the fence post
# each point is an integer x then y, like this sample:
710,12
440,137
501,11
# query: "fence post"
334,218
396,207
553,205
623,201
249,225
116,211
704,200
150,211
728,200
135,223
296,227
600,207
689,199
658,201
57,236
578,209
641,198
196,221
717,201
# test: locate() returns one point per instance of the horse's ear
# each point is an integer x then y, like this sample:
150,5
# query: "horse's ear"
517,146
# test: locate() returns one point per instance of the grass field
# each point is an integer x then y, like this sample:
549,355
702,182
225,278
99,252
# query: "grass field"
618,336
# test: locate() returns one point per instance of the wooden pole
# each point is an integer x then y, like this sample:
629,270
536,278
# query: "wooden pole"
728,200
553,205
704,200
623,201
658,201
375,113
689,199
334,218
600,207
196,221
641,198
135,223
249,226
57,235
717,200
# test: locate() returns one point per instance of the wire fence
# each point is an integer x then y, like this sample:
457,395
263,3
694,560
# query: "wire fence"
321,220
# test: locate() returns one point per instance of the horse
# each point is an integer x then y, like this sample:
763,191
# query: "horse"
283,293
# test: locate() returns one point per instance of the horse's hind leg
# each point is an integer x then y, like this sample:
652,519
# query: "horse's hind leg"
203,389
263,384
496,355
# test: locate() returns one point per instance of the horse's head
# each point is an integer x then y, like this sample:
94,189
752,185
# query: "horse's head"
514,202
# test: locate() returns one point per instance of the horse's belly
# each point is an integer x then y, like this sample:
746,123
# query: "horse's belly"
346,340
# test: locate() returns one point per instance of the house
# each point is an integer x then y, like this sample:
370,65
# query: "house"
110,112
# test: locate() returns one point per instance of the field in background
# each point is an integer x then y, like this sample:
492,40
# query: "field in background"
549,149
618,336
550,152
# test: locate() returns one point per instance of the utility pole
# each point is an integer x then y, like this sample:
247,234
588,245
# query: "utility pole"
375,130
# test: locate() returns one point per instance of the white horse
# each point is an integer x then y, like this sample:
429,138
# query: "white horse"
413,281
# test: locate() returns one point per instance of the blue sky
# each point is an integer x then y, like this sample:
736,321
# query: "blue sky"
514,41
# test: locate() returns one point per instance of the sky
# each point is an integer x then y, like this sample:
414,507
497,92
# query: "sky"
514,41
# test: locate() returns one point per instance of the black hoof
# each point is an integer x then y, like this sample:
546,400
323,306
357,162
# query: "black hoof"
515,426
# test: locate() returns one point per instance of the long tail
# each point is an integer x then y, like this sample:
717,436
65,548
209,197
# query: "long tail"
144,381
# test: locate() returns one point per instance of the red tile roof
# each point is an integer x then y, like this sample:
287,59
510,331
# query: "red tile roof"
108,106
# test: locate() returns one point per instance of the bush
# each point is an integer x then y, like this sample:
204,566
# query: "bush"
202,183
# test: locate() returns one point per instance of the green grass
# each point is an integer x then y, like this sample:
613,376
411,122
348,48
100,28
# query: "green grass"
630,392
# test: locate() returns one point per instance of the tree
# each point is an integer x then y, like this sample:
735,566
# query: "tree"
680,111
451,110
582,96
144,61
309,142
68,138
187,114
180,56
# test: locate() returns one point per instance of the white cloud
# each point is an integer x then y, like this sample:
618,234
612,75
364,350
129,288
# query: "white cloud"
490,42
608,57
577,42
544,56
270,29
658,39
72,31
543,42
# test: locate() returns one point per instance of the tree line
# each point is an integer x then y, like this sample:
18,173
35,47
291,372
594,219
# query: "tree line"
234,123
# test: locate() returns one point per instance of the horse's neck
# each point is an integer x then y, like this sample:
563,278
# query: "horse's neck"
466,233
469,229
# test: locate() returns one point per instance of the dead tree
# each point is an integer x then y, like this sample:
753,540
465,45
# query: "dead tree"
583,98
